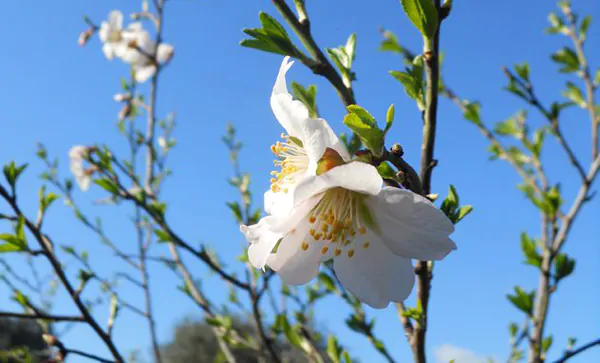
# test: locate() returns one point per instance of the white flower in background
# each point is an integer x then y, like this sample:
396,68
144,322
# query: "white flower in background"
77,156
141,49
371,233
111,34
302,146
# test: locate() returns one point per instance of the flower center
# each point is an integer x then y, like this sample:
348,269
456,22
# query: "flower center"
342,218
292,161
115,36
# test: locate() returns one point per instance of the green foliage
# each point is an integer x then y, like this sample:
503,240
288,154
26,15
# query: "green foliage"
574,94
563,266
528,246
567,60
363,124
271,37
413,82
308,96
522,300
342,57
423,15
15,242
108,185
12,172
451,206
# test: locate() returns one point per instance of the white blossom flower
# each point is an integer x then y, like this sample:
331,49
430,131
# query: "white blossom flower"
111,34
302,146
141,49
371,233
77,156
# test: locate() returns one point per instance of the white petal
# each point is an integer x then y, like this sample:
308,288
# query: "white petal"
374,275
262,240
279,203
143,73
295,265
289,112
318,136
108,50
115,19
164,52
84,182
410,225
104,31
356,176
135,27
77,152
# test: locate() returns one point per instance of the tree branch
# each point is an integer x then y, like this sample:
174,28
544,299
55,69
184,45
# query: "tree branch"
572,353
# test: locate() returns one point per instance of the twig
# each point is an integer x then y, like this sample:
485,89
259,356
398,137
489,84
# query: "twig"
571,353
42,316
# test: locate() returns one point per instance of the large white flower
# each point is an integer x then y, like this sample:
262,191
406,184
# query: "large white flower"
302,146
77,156
141,50
371,233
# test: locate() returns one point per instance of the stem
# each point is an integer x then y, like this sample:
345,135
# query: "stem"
581,349
423,271
41,316
320,64
47,246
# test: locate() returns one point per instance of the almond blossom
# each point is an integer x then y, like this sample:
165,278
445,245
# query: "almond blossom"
111,35
77,156
144,54
303,144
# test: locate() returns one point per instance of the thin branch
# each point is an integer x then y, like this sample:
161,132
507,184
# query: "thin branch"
42,316
572,353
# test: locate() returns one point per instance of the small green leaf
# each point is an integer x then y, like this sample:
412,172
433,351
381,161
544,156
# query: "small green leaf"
236,210
107,185
574,94
523,70
522,300
364,125
162,235
12,172
308,96
568,60
389,118
386,171
532,256
412,86
547,343
583,28
563,266
327,282
423,14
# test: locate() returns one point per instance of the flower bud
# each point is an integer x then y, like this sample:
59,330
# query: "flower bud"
50,339
84,36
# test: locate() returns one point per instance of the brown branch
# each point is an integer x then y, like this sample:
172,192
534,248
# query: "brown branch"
320,64
572,353
42,316
46,245
406,323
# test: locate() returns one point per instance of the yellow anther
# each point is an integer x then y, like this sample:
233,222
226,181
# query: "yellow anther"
312,219
363,230
273,180
274,188
325,228
347,223
324,250
347,242
352,232
311,232
366,244
350,253
337,252
318,236
273,149
304,246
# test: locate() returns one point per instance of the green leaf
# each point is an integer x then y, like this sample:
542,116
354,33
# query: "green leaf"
364,125
423,14
523,70
583,28
327,282
107,185
567,59
522,300
463,212
532,256
513,329
158,208
386,171
162,235
574,94
236,210
547,343
473,112
272,37
333,349
308,96
412,86
389,118
12,172
556,24
563,266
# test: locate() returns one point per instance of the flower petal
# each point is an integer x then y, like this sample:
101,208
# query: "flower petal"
317,136
278,203
374,275
289,112
115,20
104,31
356,176
143,73
164,52
109,51
262,240
410,225
294,264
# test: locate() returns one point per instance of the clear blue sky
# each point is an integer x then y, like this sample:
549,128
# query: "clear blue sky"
54,92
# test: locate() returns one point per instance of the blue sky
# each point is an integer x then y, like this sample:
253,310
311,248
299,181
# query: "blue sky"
59,94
